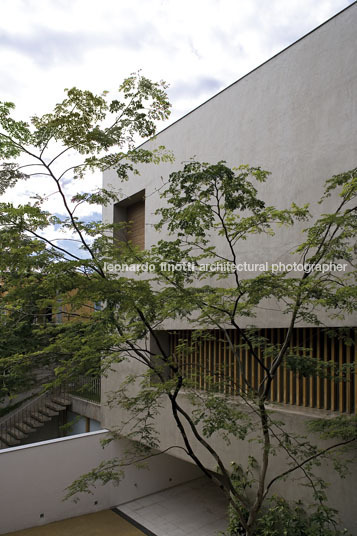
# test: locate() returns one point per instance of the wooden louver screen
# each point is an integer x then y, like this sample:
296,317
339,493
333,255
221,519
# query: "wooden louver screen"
212,363
136,216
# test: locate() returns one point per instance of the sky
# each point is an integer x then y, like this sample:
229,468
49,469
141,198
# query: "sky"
197,46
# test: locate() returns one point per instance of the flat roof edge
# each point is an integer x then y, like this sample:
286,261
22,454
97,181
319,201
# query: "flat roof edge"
354,4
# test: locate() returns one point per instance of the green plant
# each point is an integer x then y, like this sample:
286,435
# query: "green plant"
281,518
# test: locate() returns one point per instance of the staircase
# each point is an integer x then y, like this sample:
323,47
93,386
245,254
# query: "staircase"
19,424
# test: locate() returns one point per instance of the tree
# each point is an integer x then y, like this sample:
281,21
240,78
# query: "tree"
85,133
200,200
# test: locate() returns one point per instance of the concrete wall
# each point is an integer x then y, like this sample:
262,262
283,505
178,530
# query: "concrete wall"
341,492
296,116
34,477
87,408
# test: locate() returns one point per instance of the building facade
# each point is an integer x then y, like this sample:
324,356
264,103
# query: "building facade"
295,116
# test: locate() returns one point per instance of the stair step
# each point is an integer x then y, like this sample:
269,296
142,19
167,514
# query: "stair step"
48,412
39,417
55,407
9,440
16,433
32,422
61,400
25,428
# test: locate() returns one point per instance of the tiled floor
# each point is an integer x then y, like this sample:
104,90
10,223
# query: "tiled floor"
105,523
197,508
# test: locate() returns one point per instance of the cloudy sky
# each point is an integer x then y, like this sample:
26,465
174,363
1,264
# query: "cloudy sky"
197,46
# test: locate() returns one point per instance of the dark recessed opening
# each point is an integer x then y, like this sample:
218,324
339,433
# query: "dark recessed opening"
131,211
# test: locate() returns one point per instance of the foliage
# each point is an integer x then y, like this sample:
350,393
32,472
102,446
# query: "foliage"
279,518
200,201
37,275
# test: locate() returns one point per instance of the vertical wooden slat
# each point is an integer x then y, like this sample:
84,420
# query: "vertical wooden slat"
348,381
235,383
182,356
240,351
273,338
278,376
318,379
285,374
189,357
181,353
200,363
332,381
170,345
185,354
223,364
326,372
342,384
297,344
260,370
304,379
215,360
205,363
233,368
173,351
229,368
267,359
312,379
218,361
246,368
355,372
212,361
292,383
193,360
254,369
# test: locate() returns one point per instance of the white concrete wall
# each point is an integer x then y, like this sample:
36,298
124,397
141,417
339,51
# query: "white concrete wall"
34,477
341,492
296,116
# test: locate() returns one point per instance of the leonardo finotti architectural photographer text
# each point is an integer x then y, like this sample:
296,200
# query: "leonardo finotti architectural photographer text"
224,267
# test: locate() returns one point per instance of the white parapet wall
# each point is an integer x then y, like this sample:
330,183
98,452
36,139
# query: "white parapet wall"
34,478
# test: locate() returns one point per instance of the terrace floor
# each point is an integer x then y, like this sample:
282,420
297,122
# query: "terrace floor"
196,508
104,523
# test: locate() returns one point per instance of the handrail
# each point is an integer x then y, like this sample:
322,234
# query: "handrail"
16,411
87,388
18,423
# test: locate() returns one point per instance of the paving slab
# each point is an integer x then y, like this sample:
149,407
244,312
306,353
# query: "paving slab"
190,509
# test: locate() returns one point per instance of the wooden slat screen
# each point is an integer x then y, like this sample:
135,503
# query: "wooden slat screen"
136,217
211,362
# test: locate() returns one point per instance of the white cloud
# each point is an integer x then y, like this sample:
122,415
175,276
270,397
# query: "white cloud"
46,45
198,46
